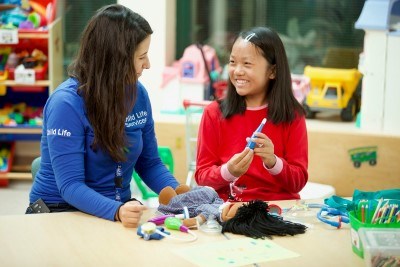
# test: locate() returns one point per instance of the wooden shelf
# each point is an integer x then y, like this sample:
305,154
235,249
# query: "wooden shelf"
20,130
33,35
39,83
16,175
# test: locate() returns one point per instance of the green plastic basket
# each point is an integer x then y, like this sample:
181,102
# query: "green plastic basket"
356,224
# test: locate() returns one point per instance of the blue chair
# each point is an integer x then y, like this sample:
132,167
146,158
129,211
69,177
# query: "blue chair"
35,167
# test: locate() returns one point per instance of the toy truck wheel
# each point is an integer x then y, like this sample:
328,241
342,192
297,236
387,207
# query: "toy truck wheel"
309,113
349,112
357,164
372,162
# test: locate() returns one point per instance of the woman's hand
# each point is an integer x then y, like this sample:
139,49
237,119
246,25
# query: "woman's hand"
240,162
264,148
130,213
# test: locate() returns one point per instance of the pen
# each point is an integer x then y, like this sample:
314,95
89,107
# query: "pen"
252,144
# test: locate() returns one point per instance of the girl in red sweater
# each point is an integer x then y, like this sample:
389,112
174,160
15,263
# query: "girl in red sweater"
259,87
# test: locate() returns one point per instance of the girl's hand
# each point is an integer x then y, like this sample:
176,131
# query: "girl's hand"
264,148
130,213
240,162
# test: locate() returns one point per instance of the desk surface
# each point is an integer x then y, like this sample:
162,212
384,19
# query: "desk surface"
78,239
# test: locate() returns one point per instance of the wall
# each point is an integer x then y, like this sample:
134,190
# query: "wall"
162,19
330,162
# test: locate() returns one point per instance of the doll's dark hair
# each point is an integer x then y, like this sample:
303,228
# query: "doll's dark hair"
104,68
282,105
255,221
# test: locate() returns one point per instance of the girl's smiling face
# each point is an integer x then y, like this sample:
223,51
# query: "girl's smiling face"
250,72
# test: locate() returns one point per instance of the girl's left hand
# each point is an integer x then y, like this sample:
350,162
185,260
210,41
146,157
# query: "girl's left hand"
264,148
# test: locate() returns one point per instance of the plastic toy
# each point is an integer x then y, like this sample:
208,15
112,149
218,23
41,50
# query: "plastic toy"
20,114
300,87
6,156
333,89
363,154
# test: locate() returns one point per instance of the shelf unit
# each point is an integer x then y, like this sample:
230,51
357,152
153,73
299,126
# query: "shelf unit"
27,137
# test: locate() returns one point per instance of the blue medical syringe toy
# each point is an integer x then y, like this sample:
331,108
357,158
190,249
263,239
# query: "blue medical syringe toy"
252,144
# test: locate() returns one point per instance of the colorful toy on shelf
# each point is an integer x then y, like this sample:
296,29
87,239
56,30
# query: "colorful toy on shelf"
21,114
36,60
28,15
6,159
333,89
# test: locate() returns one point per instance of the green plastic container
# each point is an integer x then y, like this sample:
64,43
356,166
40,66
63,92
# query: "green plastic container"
355,237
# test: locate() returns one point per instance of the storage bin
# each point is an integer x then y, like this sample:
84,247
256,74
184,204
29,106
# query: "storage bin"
40,73
381,246
357,225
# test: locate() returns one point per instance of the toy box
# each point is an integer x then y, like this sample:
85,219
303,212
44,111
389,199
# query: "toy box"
381,246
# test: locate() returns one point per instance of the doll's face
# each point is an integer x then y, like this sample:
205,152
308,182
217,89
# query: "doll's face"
229,211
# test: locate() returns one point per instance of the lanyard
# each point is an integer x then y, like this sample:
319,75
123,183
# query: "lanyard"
118,182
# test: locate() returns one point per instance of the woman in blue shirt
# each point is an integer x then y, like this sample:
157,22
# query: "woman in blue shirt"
98,126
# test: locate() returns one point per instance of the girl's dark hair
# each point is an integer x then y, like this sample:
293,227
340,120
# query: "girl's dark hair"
282,105
105,69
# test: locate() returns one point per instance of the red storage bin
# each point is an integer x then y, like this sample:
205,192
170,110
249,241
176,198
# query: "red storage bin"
40,73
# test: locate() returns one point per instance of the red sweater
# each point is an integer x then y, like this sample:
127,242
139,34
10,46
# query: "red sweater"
219,139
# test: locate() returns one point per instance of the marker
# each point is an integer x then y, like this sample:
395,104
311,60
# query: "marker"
252,144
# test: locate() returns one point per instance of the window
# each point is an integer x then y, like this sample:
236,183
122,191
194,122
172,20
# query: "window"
77,14
314,32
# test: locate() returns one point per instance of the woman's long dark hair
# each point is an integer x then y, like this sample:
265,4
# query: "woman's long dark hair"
106,73
282,105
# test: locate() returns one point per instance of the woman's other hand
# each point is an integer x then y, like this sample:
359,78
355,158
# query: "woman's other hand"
130,213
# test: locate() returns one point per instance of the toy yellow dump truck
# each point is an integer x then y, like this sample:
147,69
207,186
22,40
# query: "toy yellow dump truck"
333,89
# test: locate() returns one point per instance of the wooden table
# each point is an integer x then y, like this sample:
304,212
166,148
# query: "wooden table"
78,239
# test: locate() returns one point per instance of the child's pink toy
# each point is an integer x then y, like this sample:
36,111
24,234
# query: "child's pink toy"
300,86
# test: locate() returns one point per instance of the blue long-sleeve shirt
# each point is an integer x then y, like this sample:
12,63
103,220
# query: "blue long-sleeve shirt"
72,172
